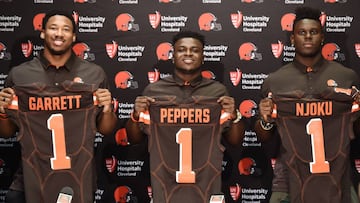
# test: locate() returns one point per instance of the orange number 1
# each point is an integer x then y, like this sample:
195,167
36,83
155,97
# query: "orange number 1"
315,129
60,161
185,173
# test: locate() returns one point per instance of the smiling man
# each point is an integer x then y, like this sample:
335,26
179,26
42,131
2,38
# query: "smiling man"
56,116
310,102
185,117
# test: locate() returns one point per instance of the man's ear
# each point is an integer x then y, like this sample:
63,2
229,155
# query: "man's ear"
74,38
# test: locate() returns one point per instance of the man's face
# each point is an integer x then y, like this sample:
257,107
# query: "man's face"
188,55
307,38
58,35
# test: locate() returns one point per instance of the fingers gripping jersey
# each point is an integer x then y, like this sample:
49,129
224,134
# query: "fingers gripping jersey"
185,149
316,134
56,131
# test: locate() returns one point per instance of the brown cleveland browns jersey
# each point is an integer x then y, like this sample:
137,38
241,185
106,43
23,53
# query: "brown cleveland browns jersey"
185,149
57,129
316,133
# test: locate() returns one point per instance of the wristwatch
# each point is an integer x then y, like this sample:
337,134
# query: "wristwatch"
266,125
238,116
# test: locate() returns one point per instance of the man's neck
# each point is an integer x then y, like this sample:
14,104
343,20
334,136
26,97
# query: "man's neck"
308,61
57,60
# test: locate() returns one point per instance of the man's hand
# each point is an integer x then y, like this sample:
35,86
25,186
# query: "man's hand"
142,104
104,98
6,96
265,109
228,105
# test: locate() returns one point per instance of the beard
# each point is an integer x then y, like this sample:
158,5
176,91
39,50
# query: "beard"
188,72
56,52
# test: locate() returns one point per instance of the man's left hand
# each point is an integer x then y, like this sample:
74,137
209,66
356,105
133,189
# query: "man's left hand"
104,98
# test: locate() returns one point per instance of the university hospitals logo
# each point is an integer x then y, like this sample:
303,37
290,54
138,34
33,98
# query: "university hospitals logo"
154,19
287,21
208,22
154,76
112,49
277,49
82,50
235,77
248,51
110,164
236,19
125,22
37,21
75,16
357,49
27,48
235,191
4,54
164,51
331,52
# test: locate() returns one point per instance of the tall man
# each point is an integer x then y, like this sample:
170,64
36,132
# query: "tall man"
183,116
312,102
57,102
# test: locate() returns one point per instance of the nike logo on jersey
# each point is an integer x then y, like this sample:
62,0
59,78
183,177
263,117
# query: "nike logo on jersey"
54,103
184,115
323,108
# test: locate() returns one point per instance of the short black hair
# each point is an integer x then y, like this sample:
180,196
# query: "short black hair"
306,13
189,34
61,13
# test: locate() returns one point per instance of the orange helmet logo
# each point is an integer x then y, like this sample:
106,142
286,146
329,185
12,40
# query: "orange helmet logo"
82,50
37,21
330,51
287,21
125,22
124,80
164,51
121,137
246,166
248,108
122,194
247,52
208,74
207,22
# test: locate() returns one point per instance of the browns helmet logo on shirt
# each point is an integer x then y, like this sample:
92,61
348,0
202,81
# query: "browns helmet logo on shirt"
208,74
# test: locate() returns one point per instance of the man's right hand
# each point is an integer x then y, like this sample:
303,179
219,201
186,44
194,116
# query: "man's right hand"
6,96
265,109
142,104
